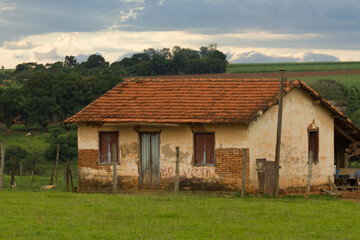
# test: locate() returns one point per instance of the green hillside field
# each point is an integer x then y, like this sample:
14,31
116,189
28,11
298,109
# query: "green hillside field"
292,67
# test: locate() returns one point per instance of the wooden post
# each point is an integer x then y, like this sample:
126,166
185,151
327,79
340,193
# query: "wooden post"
278,134
310,162
2,164
177,170
114,170
67,174
243,183
57,163
52,174
13,162
21,170
71,181
33,173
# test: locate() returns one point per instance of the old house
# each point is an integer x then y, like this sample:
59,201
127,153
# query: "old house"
140,123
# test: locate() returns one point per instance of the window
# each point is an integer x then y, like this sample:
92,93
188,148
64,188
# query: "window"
109,147
314,145
204,148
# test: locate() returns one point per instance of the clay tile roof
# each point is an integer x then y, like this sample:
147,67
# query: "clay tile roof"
181,101
190,100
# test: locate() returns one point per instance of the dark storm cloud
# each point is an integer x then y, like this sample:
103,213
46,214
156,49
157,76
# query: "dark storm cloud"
335,22
22,18
235,15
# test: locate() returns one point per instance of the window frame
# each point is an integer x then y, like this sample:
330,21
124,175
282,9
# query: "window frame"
117,148
194,150
317,143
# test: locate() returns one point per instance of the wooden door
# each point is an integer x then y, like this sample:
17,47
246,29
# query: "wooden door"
269,177
149,160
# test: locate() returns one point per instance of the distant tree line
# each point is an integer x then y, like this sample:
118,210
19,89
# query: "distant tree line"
45,93
53,92
179,60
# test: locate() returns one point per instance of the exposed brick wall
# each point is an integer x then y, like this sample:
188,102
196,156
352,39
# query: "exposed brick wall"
90,158
229,163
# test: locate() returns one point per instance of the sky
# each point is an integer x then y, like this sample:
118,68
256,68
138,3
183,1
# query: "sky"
248,31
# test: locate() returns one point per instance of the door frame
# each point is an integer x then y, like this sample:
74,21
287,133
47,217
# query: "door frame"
140,133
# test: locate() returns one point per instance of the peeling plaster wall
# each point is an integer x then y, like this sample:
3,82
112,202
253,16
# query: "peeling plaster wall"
227,137
94,176
299,111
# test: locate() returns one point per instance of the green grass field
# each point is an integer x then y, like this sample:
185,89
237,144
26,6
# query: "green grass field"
24,183
291,67
53,215
348,79
37,142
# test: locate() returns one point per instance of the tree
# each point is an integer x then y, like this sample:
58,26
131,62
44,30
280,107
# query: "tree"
39,102
66,94
330,89
217,54
20,155
68,147
96,61
70,62
10,105
355,118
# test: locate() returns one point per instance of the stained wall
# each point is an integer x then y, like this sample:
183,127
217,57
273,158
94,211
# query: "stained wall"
230,140
299,111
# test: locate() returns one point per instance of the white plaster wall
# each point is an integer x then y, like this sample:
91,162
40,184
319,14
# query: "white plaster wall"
226,136
88,138
299,111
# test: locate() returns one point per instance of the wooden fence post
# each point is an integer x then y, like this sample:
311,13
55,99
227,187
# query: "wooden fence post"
177,170
33,173
243,183
67,174
71,181
57,163
310,162
114,170
21,170
2,164
52,174
13,161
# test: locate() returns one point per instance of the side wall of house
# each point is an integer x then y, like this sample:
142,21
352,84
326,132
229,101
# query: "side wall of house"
299,111
230,140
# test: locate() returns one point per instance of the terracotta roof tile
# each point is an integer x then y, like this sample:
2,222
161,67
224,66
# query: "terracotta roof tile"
189,101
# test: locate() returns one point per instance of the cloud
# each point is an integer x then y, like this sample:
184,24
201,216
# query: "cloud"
317,57
19,45
113,45
128,55
3,9
81,58
258,57
50,55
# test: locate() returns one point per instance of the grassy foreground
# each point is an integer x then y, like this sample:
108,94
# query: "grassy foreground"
54,215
